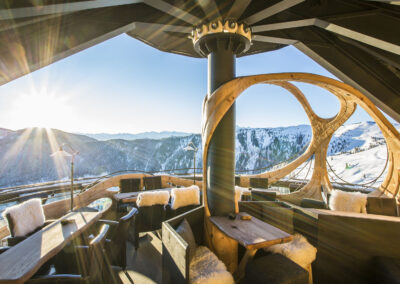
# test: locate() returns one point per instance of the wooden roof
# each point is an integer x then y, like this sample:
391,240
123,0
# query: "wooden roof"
356,40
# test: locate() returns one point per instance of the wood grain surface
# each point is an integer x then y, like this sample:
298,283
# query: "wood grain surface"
20,262
252,234
216,105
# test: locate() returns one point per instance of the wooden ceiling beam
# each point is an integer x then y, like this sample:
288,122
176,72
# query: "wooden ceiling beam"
16,25
210,8
272,10
392,2
271,39
238,8
16,13
380,90
165,28
173,11
369,40
15,71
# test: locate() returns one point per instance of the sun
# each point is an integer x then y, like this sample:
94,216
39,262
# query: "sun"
40,109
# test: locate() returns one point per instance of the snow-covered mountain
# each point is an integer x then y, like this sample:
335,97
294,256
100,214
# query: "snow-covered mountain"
130,136
261,147
4,132
357,137
25,154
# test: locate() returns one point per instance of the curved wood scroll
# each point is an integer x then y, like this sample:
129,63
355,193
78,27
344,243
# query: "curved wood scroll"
216,105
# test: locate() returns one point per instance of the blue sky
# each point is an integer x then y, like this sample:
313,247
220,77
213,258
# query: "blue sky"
123,85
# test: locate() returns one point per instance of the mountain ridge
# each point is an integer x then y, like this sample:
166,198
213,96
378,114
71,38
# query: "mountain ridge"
133,136
25,154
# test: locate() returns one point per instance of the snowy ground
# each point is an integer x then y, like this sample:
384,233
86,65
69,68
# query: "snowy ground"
356,168
361,167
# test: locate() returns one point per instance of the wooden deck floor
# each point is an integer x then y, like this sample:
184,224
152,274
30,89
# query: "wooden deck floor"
144,265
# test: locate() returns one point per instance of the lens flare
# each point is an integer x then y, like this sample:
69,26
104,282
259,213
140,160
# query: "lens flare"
40,109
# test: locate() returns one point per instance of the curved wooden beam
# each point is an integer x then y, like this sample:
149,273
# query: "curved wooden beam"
216,105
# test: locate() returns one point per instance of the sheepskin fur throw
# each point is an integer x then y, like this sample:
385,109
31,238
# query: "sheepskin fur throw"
348,201
239,191
160,197
206,268
299,250
185,196
26,217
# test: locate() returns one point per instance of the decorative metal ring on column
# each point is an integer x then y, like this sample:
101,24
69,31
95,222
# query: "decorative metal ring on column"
216,105
239,36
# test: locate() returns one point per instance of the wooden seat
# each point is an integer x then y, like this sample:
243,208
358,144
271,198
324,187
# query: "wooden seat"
151,183
129,185
387,270
263,195
259,182
16,225
237,180
149,218
117,237
275,269
375,205
178,198
89,262
175,254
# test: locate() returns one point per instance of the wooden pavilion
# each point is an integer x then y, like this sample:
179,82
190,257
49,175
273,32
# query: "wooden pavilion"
357,41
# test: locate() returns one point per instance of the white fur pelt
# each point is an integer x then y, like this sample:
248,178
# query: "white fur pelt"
348,201
206,268
185,196
299,250
159,197
239,191
27,216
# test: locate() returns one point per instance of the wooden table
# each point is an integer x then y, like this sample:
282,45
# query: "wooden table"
252,234
19,263
132,196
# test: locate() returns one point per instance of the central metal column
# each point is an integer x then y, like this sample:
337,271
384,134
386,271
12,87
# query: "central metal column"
221,155
220,41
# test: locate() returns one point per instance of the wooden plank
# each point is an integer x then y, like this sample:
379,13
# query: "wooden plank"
225,248
237,9
274,39
173,11
20,262
163,28
361,37
210,8
272,10
252,234
176,248
371,217
7,14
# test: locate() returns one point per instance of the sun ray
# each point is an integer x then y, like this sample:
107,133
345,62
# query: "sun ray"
15,149
59,163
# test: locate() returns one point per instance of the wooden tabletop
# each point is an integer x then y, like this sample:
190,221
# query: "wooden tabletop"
20,262
252,234
132,196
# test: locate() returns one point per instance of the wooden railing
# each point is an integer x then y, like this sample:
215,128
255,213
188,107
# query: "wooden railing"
59,208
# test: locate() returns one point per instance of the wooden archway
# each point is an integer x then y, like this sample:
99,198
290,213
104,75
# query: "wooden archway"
216,105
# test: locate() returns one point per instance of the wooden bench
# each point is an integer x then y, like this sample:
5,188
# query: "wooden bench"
175,250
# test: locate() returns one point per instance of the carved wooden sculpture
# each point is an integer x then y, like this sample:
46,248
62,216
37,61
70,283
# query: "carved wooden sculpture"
216,105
